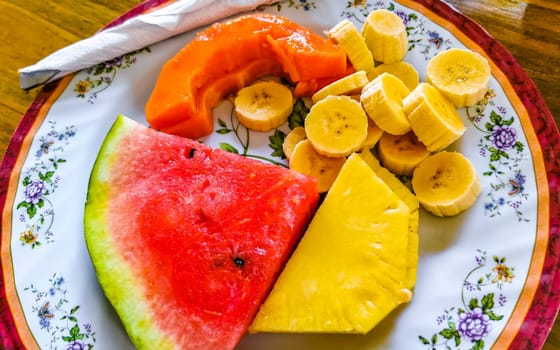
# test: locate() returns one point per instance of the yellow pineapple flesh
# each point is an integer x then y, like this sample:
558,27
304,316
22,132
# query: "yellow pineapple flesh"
349,270
413,205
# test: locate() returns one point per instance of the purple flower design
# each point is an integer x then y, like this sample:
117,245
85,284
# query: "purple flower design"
402,15
45,315
503,137
472,321
68,133
435,39
479,259
34,191
102,75
502,299
39,296
515,205
44,322
520,178
474,325
115,62
76,345
516,185
44,148
58,320
38,183
505,153
470,286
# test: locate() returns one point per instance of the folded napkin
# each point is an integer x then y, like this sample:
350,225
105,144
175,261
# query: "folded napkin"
145,29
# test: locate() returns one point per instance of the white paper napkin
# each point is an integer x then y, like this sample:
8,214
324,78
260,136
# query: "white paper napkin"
138,32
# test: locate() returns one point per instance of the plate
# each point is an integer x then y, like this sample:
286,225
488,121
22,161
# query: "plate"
486,278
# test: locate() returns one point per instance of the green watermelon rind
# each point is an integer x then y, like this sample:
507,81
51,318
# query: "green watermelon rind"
112,270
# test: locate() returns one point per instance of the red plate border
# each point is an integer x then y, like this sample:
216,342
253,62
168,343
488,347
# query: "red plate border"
546,302
9,336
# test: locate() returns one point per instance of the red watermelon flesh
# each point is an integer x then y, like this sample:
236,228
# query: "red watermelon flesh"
188,240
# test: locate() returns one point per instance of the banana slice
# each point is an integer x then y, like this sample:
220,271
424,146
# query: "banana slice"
352,42
291,140
306,160
446,183
264,105
349,85
385,35
401,153
402,70
432,117
336,126
374,134
382,100
461,75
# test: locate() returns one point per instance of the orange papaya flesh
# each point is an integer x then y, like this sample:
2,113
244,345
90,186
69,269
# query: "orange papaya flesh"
309,87
212,94
229,55
289,68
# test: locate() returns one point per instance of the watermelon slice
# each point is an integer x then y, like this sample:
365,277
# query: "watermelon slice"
187,240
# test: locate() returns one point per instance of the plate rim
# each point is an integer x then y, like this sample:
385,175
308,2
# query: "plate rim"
545,304
10,337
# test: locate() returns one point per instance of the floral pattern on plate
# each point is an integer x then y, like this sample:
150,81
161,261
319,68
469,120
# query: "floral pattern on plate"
58,318
420,37
276,138
298,5
102,75
505,153
39,182
473,321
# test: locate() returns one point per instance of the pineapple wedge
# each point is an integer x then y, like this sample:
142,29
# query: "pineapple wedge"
413,205
391,180
349,270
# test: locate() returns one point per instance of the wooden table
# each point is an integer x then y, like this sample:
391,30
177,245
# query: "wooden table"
32,29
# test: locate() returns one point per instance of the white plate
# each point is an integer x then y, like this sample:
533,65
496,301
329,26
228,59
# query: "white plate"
483,268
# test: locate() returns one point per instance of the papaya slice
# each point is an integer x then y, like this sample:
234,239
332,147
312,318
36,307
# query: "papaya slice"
229,55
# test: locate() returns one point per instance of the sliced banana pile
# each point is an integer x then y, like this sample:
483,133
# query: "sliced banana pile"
384,108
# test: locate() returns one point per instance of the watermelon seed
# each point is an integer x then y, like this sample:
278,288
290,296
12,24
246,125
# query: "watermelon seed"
239,262
191,153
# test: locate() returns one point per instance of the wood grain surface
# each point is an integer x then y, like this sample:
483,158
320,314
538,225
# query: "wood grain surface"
32,29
